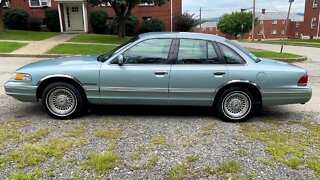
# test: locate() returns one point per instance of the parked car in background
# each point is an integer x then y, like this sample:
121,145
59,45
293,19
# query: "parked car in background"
176,69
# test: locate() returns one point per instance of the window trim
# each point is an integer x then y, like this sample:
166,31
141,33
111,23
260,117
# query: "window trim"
225,61
215,47
274,21
114,60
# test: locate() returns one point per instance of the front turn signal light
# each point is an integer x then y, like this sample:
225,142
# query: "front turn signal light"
22,77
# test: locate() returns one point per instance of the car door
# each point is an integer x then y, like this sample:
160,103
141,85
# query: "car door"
197,73
143,77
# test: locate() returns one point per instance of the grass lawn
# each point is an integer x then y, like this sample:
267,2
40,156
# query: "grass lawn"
80,49
296,42
274,55
98,38
26,35
7,47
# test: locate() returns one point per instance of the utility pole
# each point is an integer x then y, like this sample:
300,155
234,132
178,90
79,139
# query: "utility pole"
318,25
200,18
286,26
253,18
171,14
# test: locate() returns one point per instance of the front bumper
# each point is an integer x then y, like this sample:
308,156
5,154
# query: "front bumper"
299,95
21,91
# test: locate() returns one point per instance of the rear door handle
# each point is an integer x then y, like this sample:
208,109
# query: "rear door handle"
161,73
219,73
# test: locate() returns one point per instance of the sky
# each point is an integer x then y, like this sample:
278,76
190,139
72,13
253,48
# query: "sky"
216,8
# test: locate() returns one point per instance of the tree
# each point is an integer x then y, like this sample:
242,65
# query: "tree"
2,2
186,22
236,23
122,9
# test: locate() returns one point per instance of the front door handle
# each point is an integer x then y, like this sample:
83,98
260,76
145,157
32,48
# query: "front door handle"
219,73
161,73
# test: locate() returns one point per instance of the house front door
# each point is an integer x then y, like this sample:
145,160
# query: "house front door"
74,17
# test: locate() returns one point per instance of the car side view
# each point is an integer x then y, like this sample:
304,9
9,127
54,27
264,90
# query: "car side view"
175,69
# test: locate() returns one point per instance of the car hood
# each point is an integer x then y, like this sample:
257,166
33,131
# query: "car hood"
69,61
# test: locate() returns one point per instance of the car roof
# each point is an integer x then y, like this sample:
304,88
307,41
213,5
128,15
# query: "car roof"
187,35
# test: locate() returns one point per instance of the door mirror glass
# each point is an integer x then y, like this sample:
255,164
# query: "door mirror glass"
120,59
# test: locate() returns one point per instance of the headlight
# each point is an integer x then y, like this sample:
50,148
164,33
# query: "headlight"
22,77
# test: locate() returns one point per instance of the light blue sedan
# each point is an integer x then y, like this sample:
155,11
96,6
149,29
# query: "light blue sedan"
176,69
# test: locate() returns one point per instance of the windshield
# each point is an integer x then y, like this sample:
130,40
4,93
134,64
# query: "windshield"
115,50
252,56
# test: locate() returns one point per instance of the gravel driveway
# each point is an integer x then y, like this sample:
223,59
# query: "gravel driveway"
129,142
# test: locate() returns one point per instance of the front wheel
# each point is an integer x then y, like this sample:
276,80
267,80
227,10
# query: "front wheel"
235,104
62,100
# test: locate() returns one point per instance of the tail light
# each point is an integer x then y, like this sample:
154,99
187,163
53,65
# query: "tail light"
303,81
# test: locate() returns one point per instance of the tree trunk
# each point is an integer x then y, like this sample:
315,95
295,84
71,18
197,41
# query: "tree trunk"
1,18
122,29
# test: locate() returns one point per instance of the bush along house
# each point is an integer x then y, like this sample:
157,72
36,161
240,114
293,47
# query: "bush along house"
74,15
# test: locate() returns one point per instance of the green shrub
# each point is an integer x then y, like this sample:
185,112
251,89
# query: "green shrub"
34,24
16,19
131,25
52,20
98,21
185,23
152,25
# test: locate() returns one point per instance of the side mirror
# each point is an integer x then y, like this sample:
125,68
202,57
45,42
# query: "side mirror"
120,60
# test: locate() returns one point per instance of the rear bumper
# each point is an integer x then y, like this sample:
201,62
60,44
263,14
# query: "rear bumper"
21,91
286,96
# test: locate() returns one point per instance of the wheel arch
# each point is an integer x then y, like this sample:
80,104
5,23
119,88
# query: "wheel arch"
251,86
59,78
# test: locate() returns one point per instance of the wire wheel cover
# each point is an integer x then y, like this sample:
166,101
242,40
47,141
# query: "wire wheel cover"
236,105
61,101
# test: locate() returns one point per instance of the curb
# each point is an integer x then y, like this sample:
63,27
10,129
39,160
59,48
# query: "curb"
290,60
34,55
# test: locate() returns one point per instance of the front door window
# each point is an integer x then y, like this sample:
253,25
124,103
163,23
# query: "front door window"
154,51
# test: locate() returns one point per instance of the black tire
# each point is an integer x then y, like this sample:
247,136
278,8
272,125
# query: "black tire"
235,104
63,101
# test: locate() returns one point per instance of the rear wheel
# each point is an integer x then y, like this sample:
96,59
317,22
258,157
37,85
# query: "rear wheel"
235,104
62,100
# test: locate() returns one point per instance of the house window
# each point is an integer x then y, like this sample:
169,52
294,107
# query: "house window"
146,18
282,32
261,22
313,23
6,4
211,29
274,21
315,3
146,4
104,4
260,32
39,3
274,32
297,24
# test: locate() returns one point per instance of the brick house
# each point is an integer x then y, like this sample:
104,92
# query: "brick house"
311,24
209,28
271,25
75,14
